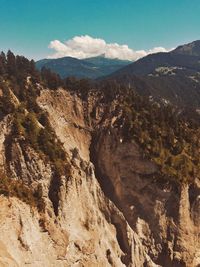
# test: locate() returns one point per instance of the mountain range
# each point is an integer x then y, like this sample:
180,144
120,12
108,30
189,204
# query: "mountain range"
82,68
172,76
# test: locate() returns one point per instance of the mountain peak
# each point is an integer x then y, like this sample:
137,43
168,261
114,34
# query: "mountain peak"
192,49
83,68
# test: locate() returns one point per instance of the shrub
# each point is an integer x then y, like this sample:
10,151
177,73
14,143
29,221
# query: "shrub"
16,188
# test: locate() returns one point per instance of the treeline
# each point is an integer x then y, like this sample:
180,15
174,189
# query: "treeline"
18,69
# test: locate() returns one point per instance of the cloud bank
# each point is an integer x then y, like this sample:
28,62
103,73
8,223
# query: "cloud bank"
86,46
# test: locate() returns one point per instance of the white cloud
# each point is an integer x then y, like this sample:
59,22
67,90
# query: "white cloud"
86,46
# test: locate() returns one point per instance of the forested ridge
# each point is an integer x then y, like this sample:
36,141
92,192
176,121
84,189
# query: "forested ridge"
167,135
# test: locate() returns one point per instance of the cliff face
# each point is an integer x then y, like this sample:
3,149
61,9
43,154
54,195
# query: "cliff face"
164,215
109,211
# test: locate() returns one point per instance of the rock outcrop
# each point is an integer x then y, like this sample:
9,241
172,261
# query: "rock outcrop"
109,211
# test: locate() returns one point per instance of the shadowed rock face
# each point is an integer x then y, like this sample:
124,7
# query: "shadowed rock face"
110,211
162,215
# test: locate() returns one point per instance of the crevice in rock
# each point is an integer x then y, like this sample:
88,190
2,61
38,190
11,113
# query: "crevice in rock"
122,239
20,239
109,192
109,257
54,191
194,192
103,180
8,152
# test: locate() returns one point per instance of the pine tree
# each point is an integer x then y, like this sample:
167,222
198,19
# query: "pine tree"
11,64
2,63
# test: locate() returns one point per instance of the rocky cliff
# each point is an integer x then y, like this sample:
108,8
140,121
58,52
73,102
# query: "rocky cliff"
108,210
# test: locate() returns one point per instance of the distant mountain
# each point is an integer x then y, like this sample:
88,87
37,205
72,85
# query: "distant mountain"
172,76
192,49
82,68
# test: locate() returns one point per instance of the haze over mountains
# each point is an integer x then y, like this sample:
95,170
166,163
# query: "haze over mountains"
172,76
185,57
82,68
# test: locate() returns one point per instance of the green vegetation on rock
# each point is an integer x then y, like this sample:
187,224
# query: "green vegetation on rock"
20,84
165,137
16,188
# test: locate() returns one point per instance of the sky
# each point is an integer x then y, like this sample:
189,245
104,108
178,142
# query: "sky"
82,28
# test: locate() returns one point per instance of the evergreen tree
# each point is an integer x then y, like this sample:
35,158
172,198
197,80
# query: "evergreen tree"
2,63
11,64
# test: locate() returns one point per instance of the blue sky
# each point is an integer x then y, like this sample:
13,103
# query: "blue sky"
28,26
